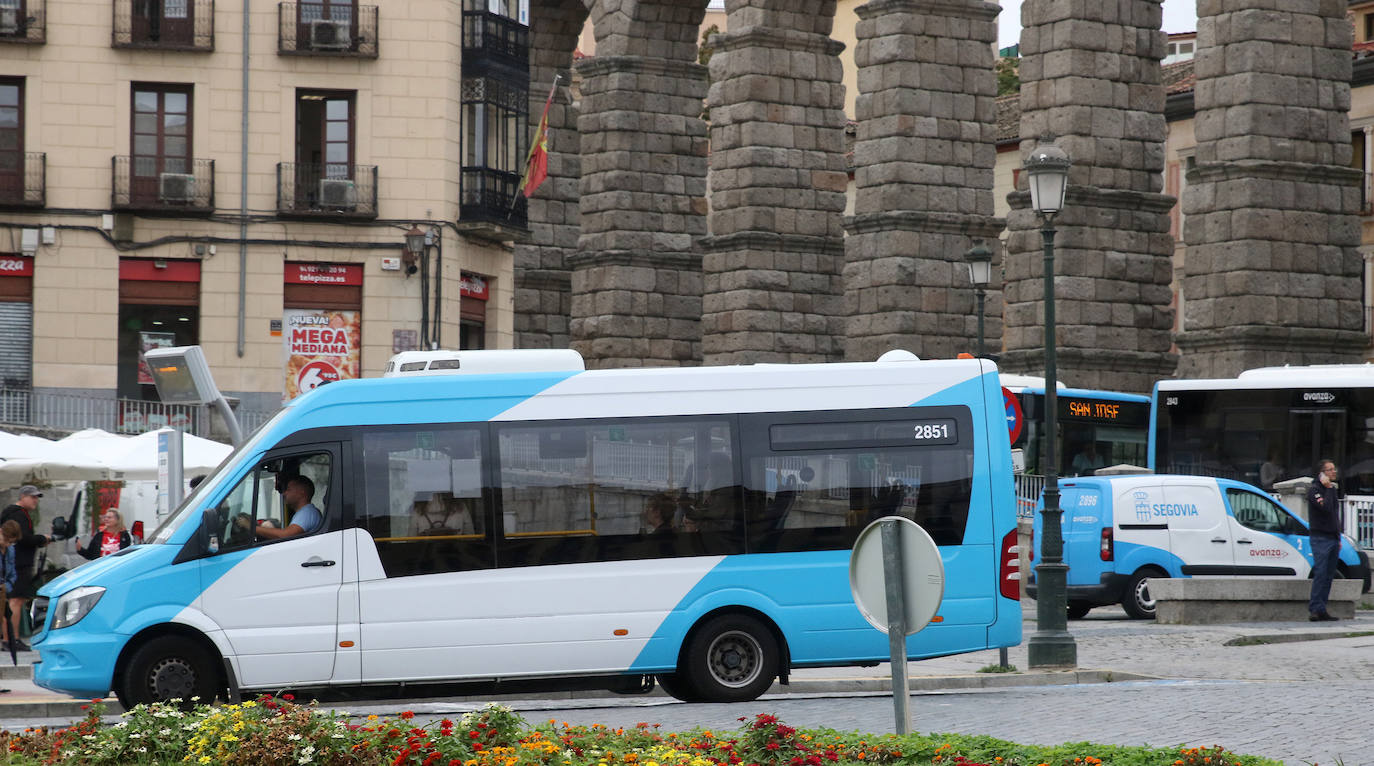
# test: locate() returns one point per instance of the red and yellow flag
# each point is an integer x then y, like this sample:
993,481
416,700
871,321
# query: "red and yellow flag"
537,161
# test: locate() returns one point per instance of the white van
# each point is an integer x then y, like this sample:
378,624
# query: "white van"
1120,531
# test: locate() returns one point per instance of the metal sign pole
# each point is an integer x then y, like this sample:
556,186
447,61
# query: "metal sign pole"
893,589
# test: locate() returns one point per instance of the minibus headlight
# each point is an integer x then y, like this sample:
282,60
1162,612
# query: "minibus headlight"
75,604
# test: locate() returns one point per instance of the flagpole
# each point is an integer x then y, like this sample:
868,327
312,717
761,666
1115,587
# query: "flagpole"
540,137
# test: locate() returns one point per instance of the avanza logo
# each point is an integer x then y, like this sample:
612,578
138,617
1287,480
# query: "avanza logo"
1319,397
1267,553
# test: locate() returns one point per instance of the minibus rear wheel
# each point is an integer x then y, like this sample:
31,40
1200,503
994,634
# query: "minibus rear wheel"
731,658
678,687
1138,602
166,668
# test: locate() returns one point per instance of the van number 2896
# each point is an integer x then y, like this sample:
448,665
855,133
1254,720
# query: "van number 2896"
1087,500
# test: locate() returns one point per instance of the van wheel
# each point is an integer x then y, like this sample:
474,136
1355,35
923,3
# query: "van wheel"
168,668
1079,609
1138,603
731,658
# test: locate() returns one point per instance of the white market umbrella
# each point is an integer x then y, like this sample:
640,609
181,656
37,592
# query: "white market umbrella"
136,457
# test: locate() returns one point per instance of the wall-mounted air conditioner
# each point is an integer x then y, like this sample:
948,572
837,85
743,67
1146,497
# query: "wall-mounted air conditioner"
176,187
338,194
328,34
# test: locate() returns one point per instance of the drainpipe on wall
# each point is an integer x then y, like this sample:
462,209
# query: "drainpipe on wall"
243,187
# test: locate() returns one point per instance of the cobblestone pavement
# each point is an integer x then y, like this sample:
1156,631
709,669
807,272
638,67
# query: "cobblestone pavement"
1297,722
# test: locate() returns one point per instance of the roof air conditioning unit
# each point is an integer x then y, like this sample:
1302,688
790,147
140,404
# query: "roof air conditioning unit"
176,187
328,34
9,21
338,194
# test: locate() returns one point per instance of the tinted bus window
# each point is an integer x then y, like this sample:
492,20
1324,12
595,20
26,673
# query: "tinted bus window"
578,491
423,502
1095,431
817,479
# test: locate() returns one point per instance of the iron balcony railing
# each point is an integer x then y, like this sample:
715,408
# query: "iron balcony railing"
490,195
179,25
326,190
73,412
348,31
163,185
23,179
491,37
23,21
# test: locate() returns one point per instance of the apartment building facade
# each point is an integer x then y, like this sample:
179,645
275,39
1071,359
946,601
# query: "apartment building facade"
302,188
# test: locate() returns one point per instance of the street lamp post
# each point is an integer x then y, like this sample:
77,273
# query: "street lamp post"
1047,170
979,259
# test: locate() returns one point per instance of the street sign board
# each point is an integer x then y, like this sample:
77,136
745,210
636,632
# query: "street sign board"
922,580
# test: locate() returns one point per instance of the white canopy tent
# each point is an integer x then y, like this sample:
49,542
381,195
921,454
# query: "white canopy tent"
96,455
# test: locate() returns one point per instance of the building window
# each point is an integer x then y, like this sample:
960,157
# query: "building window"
328,28
495,119
174,24
160,167
16,323
473,292
21,21
495,110
324,179
11,138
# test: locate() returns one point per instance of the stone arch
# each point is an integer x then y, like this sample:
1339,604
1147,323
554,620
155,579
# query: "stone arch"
542,294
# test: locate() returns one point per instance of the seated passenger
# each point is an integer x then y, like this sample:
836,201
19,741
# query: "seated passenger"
658,514
305,518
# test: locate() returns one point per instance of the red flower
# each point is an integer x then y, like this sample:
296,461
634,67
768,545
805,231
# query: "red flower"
772,746
289,697
407,715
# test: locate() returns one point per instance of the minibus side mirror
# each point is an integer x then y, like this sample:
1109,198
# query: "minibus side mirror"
207,536
204,542
60,529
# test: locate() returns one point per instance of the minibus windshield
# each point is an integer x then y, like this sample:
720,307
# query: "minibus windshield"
172,522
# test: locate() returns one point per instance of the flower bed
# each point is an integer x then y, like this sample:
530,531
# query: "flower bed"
276,731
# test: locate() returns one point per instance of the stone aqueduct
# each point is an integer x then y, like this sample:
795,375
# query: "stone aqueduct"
630,265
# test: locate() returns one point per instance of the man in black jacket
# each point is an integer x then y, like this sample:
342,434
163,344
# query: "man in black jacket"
25,551
1324,525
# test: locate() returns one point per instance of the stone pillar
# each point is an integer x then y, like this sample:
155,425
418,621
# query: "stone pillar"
924,159
542,298
1272,273
771,268
1090,76
636,278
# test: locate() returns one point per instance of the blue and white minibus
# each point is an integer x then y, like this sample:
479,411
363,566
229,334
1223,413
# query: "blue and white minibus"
555,529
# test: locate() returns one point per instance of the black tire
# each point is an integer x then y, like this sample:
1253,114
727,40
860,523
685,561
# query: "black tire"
731,658
1079,609
1137,601
677,686
166,668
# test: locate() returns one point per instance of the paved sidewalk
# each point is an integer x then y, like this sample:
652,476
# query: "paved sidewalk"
1111,648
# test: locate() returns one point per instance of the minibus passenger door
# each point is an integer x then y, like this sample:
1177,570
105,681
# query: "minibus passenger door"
277,600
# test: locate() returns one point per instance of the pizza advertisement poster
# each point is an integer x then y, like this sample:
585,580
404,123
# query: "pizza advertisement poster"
321,347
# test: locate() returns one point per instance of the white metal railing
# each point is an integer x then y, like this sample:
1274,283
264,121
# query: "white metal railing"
1358,513
1028,489
73,412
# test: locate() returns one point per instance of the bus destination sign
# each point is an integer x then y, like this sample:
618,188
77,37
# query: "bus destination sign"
1103,410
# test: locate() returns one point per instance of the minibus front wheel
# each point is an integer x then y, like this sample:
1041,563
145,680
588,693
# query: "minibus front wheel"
167,668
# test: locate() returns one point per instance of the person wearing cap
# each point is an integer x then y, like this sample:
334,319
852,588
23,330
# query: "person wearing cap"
25,551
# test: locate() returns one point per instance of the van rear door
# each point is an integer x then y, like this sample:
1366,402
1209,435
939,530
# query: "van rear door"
1199,528
1083,509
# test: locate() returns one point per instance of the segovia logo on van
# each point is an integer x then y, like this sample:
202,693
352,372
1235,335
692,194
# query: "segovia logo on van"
1174,509
1318,397
1142,505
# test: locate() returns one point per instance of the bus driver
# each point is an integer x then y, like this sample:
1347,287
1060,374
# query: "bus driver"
305,518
